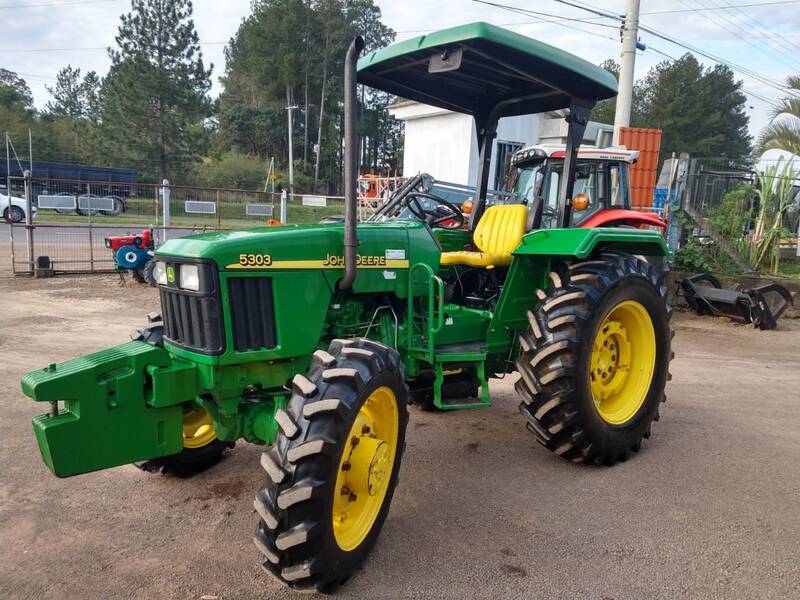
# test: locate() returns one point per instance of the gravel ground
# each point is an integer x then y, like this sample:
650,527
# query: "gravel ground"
708,509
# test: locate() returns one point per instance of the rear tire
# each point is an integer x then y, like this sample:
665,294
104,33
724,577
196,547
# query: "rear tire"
314,531
562,367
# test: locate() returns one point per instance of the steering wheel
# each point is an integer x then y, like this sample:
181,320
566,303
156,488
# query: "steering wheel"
433,217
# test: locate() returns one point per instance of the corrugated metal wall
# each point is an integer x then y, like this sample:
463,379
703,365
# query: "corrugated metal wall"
643,173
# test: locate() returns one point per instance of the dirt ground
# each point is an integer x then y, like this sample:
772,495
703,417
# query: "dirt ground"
708,509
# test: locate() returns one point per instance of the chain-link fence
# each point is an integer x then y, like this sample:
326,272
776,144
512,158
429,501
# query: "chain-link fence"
69,221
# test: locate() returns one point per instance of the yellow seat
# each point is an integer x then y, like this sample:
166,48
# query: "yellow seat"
497,235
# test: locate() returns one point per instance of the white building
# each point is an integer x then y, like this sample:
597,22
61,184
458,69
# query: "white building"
445,145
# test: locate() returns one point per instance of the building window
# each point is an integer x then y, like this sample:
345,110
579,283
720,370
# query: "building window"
505,150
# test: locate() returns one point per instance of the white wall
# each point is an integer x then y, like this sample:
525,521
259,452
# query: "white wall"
437,142
444,144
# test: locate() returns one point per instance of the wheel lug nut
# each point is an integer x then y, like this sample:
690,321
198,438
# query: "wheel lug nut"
345,491
365,430
354,440
346,466
352,497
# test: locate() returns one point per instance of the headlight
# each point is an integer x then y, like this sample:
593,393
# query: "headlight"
190,277
160,273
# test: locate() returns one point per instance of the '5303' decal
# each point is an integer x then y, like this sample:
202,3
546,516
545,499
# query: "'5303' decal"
255,260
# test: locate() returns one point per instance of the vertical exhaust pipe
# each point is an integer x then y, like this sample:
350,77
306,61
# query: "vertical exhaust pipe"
350,162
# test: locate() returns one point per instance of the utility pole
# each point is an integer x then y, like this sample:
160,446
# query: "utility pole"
289,110
630,34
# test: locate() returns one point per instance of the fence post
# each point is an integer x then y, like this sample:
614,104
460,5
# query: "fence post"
219,213
91,237
28,217
165,203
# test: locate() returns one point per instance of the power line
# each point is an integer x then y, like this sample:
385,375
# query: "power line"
53,4
773,37
737,30
665,37
780,45
691,48
78,48
756,4
744,89
556,21
731,65
556,18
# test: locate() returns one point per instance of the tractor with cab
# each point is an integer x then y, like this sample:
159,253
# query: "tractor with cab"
312,339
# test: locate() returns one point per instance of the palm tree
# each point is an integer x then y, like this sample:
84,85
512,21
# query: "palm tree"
783,132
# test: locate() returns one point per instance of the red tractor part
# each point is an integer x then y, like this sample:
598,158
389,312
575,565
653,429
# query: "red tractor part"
616,217
140,240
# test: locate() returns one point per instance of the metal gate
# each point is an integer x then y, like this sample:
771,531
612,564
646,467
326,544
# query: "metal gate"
70,220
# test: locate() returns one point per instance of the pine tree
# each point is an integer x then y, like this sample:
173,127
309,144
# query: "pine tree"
700,111
155,98
603,111
73,96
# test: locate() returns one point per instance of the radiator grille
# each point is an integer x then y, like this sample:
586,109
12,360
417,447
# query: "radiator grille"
252,313
192,321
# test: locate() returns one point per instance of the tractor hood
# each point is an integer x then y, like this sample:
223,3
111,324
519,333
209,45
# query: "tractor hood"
392,245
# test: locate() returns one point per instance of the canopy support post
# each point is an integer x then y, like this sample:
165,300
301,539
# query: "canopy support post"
486,129
577,118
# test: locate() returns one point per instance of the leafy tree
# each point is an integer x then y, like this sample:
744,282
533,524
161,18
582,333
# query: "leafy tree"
14,91
73,96
233,170
154,101
783,132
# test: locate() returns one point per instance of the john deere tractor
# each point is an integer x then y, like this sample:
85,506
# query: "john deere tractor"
311,340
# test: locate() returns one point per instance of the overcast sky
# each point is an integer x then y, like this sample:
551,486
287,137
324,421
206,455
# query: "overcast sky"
41,36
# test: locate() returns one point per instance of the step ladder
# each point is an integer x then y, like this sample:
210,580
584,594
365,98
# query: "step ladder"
460,356
447,357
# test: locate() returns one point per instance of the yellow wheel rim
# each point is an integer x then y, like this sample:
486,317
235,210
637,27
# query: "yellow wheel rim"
623,361
365,468
198,429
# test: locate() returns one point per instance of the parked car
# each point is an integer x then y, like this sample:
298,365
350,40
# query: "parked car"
15,210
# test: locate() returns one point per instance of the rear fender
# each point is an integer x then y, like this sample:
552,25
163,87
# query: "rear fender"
583,243
620,216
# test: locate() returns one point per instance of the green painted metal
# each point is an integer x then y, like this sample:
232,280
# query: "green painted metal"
109,416
126,403
581,243
451,360
496,64
452,240
423,343
525,276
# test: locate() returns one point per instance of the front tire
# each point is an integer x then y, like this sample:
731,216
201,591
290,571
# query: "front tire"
333,467
14,214
594,361
201,448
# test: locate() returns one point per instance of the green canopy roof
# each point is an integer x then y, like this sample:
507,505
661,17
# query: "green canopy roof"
473,68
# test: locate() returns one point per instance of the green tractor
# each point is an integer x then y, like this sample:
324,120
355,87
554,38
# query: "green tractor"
311,340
